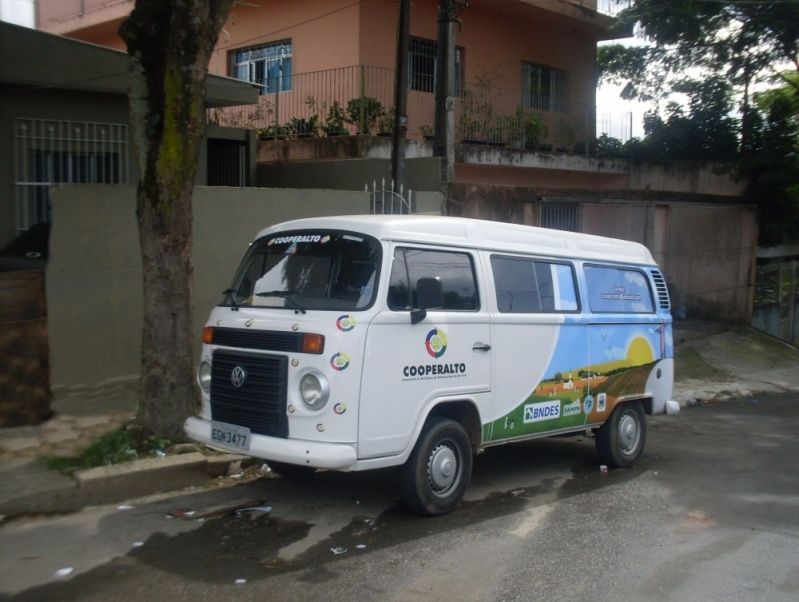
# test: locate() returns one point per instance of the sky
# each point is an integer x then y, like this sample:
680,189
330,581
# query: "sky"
20,12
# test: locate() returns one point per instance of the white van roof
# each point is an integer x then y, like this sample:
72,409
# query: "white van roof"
478,234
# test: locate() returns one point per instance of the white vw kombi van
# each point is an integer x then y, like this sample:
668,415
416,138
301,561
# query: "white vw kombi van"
352,343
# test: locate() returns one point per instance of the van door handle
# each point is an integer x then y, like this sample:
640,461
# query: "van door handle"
481,347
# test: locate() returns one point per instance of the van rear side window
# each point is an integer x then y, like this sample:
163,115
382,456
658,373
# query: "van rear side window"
454,270
529,286
618,290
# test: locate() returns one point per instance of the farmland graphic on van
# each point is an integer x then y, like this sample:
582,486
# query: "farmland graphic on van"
615,363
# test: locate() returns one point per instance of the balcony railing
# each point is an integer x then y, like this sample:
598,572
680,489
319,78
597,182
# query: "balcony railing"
358,100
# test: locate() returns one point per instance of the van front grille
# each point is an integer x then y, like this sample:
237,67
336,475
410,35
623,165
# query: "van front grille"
259,402
267,340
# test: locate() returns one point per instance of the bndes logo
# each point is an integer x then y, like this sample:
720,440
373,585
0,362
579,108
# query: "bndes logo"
545,410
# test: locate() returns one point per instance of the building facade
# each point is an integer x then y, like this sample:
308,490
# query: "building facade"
525,123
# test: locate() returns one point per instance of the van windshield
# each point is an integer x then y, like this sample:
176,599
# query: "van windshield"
308,269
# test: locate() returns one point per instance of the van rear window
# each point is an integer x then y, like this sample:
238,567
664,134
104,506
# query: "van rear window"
530,286
618,290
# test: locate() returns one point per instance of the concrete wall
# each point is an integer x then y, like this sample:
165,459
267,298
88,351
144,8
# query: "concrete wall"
706,250
94,274
345,174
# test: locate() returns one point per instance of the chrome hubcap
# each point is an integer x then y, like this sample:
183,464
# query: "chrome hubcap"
442,469
629,434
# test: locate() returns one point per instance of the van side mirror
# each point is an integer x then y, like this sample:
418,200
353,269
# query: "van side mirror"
429,295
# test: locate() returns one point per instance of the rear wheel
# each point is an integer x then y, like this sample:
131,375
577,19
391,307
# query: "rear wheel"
291,471
621,439
438,471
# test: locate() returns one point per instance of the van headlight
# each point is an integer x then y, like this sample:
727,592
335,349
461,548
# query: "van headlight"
204,376
314,390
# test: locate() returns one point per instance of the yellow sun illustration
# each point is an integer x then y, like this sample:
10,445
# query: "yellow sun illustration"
639,352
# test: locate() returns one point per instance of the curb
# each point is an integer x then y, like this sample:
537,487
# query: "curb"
120,482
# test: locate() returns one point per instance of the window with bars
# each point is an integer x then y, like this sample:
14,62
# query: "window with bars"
543,87
422,55
50,152
560,216
268,65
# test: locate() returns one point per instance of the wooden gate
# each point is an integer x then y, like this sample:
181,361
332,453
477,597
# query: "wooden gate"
24,353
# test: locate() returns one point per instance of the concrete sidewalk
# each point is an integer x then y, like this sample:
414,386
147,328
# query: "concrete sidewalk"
711,364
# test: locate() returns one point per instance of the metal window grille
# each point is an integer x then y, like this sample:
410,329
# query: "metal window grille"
422,65
268,65
560,216
543,87
50,152
227,163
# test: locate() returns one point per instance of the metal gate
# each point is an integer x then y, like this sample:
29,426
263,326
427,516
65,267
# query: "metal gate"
776,306
227,163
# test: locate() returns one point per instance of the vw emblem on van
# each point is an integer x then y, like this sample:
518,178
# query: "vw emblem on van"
237,376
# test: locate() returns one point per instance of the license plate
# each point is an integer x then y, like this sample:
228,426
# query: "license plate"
230,435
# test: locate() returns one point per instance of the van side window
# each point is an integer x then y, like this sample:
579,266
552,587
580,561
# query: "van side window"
529,286
453,269
618,290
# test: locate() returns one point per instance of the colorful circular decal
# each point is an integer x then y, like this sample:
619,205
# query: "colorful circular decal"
340,361
588,404
436,342
345,323
339,408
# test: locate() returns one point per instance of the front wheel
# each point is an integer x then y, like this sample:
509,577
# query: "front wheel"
621,439
436,475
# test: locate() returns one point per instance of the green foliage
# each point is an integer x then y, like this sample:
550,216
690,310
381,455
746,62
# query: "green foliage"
739,41
127,443
364,112
704,132
771,162
335,120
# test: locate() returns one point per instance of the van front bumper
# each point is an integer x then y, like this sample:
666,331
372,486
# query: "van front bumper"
335,456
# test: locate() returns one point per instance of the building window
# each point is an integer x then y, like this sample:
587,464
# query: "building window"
268,65
50,152
560,216
543,87
422,65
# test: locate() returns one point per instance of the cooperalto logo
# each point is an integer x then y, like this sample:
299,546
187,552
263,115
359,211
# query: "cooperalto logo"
345,323
340,361
436,343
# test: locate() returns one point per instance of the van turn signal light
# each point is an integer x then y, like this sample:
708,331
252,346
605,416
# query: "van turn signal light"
208,335
313,343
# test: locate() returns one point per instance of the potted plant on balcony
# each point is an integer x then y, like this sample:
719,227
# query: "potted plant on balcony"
334,124
385,124
364,112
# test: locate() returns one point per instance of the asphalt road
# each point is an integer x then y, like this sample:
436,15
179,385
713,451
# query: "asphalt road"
711,512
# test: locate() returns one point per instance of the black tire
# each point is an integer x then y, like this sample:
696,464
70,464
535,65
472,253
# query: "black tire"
291,471
438,471
620,441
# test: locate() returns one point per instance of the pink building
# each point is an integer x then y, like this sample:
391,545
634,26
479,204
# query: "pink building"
525,122
526,69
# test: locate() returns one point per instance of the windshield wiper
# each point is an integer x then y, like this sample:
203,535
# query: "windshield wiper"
231,297
283,295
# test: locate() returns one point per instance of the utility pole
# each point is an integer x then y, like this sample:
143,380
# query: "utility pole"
444,141
400,98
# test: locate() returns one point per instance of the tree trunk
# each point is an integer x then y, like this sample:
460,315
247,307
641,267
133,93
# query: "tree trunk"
169,44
